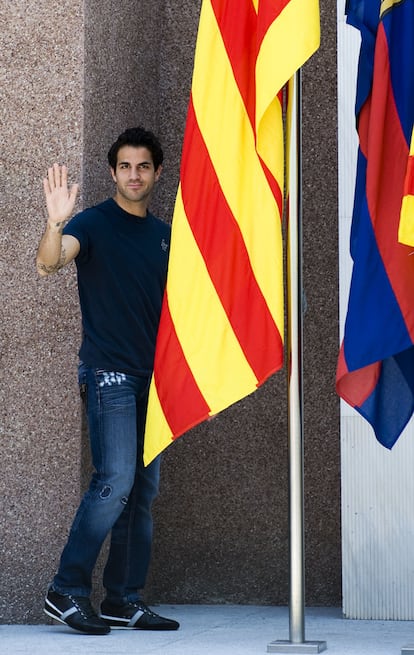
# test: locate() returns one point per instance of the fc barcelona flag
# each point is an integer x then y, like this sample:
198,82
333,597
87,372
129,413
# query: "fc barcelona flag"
376,362
221,327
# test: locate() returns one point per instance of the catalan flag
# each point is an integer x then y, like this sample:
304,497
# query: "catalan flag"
221,327
376,361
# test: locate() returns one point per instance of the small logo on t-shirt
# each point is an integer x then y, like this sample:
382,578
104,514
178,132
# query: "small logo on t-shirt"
164,245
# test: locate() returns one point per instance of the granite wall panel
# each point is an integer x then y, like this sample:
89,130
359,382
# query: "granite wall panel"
41,81
321,331
71,80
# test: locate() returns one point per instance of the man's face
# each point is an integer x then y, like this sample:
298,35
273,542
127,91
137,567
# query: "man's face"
135,175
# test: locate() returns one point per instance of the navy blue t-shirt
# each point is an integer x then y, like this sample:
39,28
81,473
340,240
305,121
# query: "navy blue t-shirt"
122,269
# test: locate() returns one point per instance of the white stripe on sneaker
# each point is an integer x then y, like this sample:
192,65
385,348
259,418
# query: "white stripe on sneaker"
68,612
135,618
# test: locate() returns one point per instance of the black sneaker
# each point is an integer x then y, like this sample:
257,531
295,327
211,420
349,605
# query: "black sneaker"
135,615
76,612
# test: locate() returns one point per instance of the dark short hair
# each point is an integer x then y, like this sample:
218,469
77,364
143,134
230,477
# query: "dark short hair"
137,137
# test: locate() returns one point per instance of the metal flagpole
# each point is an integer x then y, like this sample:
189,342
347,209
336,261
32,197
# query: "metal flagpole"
296,643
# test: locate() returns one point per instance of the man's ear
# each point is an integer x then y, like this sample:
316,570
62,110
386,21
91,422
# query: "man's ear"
113,175
158,173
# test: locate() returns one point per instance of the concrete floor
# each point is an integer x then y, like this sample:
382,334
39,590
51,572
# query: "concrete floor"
219,630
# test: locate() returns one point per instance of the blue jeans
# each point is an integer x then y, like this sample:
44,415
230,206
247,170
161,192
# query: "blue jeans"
120,493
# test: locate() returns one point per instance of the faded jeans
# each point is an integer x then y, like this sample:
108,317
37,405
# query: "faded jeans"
120,494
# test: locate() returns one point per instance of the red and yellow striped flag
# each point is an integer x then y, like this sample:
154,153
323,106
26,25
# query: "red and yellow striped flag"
221,328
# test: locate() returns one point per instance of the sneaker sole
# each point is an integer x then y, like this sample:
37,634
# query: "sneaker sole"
117,623
57,615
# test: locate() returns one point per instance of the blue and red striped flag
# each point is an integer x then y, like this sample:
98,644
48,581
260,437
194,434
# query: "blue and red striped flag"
376,362
221,328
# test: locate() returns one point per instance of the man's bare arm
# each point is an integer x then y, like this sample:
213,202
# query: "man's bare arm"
56,250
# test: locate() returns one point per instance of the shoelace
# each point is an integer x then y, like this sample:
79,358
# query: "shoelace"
144,608
83,605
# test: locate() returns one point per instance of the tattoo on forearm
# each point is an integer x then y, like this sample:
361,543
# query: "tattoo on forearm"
44,268
62,260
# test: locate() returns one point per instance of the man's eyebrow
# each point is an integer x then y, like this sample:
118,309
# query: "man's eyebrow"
149,162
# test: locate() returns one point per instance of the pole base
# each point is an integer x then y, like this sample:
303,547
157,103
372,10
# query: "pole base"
407,650
282,646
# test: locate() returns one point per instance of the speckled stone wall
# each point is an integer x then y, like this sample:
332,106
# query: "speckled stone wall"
41,81
321,332
71,80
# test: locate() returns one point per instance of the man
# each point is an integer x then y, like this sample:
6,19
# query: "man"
121,253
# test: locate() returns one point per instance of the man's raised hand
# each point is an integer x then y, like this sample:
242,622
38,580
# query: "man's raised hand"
60,201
